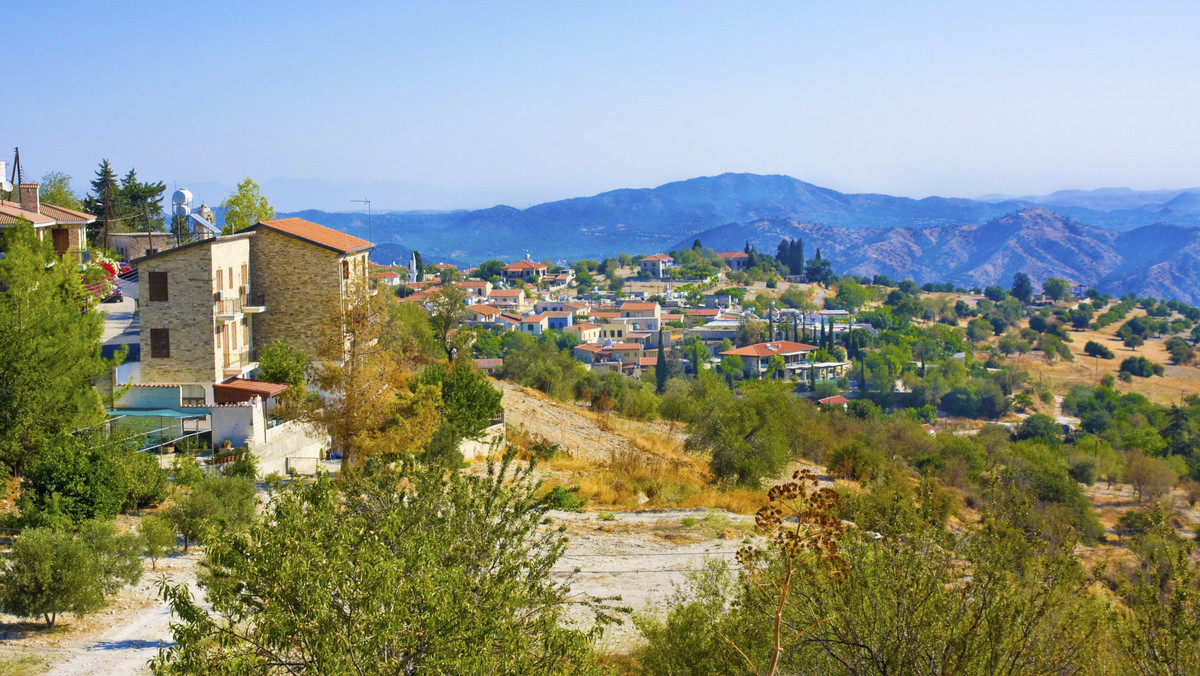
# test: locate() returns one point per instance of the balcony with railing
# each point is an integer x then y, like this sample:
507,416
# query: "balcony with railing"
240,360
231,306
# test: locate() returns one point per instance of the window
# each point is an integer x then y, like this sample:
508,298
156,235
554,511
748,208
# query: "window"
245,275
231,287
220,279
158,286
192,395
345,269
160,343
220,334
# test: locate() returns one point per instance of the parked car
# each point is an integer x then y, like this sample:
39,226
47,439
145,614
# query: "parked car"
117,296
123,268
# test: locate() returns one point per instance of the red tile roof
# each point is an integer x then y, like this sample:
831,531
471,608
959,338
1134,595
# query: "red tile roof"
506,293
638,306
316,234
768,349
733,254
64,215
488,310
11,212
523,265
386,274
241,390
648,361
658,257
836,399
583,326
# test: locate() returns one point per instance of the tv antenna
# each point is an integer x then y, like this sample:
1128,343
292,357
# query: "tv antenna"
368,203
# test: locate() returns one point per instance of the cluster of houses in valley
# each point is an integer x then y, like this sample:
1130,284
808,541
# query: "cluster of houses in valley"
622,335
201,312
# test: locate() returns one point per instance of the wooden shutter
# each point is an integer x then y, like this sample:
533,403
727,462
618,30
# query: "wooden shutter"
160,343
220,279
62,240
158,286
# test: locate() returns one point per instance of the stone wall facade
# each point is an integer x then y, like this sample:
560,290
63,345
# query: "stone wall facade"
130,245
189,311
300,282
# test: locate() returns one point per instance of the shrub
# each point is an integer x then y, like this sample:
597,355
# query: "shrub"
75,476
1085,469
855,460
1141,367
1094,349
144,480
565,499
158,538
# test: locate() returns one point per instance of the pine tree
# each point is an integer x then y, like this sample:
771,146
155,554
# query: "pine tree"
49,350
103,202
747,249
144,203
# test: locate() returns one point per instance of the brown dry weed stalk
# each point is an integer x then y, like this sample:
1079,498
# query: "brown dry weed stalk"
803,536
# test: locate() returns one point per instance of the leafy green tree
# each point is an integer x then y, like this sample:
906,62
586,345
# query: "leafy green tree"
1039,426
1094,349
447,310
219,504
995,293
76,476
117,556
142,477
405,571
245,206
979,329
50,573
143,202
750,438
282,363
1022,287
158,537
55,189
1180,351
490,269
1056,288
469,404
49,349
53,572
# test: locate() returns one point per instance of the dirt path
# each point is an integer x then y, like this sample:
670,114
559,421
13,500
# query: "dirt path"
642,557
124,648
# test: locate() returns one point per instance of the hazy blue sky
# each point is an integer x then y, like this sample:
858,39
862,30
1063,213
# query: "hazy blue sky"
531,101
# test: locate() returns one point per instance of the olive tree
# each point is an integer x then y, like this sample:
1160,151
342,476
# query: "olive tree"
397,570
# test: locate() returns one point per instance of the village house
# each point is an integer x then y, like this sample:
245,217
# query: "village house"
132,245
482,314
509,299
387,278
737,261
475,288
756,358
526,271
587,331
657,265
534,325
66,229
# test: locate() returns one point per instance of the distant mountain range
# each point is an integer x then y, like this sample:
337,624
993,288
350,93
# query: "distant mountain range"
1076,234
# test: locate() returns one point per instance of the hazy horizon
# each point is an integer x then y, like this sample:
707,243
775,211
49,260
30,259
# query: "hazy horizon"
469,105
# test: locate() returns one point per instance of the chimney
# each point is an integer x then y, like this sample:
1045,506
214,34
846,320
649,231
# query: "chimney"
29,198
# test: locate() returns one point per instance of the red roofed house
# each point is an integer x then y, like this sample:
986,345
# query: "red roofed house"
67,228
656,266
736,260
837,400
387,278
509,299
482,314
755,358
642,310
475,288
525,270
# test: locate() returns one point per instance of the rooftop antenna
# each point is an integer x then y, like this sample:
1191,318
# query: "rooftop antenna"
368,203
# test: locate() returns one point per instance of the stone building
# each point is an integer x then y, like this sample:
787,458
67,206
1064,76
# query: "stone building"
208,306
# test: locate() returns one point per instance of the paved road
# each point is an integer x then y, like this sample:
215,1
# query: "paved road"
121,323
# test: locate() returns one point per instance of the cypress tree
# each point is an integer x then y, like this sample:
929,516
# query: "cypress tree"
800,256
660,367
